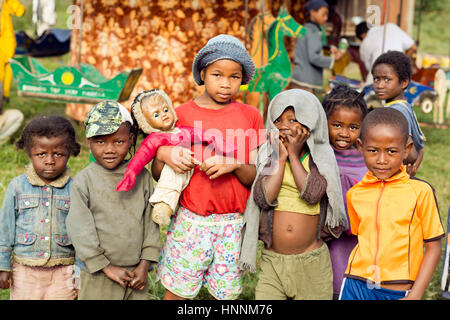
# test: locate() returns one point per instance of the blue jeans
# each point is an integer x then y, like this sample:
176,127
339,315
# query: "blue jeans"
353,289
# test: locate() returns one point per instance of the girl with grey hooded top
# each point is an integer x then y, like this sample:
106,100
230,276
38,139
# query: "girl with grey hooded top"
298,198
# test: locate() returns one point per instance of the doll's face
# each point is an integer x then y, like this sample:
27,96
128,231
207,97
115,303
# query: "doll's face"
157,113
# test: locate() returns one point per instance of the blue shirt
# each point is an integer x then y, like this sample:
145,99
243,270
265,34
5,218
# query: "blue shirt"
414,130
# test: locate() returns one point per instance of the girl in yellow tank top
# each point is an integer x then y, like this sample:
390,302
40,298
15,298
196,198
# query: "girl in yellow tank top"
288,196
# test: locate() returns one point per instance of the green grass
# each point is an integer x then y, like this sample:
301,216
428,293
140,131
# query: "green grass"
435,169
433,38
25,23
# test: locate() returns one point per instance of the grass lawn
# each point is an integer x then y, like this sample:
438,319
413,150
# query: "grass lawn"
432,38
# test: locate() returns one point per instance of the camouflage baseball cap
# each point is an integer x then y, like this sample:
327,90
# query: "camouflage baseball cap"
105,118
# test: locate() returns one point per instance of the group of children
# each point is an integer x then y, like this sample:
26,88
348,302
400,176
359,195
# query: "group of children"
328,188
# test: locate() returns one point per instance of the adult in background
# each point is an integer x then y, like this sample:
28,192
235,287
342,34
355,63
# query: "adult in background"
372,43
44,15
10,120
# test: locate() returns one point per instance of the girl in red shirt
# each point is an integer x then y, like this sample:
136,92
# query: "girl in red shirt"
203,239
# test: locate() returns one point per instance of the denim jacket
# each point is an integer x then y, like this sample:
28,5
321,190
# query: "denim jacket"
33,222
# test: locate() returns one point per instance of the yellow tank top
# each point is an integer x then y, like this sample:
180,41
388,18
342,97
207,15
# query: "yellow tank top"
289,196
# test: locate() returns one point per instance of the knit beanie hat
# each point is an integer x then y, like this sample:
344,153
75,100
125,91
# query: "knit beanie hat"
315,5
223,47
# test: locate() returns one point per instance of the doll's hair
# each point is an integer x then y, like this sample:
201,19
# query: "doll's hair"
134,129
136,110
343,95
49,126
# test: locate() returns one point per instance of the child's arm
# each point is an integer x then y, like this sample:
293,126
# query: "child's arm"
271,184
221,146
217,166
7,235
296,143
432,232
427,268
82,231
314,50
178,158
353,217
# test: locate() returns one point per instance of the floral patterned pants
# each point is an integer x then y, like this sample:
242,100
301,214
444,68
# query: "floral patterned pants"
202,250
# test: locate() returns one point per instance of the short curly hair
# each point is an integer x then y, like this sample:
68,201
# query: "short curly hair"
49,126
385,117
399,61
343,95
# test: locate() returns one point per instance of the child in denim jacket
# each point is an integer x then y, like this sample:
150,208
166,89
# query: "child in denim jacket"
33,214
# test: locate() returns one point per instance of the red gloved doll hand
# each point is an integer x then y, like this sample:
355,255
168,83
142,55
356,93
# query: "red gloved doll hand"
127,183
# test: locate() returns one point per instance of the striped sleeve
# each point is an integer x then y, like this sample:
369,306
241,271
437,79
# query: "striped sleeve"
428,212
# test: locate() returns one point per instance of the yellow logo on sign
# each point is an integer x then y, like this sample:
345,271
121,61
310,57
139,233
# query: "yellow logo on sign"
413,90
67,78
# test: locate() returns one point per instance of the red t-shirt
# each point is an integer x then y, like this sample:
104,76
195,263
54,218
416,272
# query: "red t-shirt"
236,123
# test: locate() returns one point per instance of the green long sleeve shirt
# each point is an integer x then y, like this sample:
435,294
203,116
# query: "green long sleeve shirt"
110,227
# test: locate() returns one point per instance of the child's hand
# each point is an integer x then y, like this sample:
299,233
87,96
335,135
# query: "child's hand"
178,158
276,139
118,274
217,166
5,279
297,141
411,169
338,54
141,275
283,133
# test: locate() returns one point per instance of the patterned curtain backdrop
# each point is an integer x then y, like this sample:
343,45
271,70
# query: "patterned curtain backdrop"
159,36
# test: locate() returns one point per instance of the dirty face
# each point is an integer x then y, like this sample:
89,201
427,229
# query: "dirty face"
110,150
49,156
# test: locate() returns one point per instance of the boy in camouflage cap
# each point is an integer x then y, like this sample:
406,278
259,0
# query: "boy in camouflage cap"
105,118
113,233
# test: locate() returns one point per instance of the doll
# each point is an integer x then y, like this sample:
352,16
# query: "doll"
156,117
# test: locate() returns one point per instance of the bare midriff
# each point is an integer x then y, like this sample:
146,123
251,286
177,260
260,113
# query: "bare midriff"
294,233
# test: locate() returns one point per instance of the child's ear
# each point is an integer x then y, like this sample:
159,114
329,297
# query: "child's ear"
202,74
404,84
408,147
359,144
